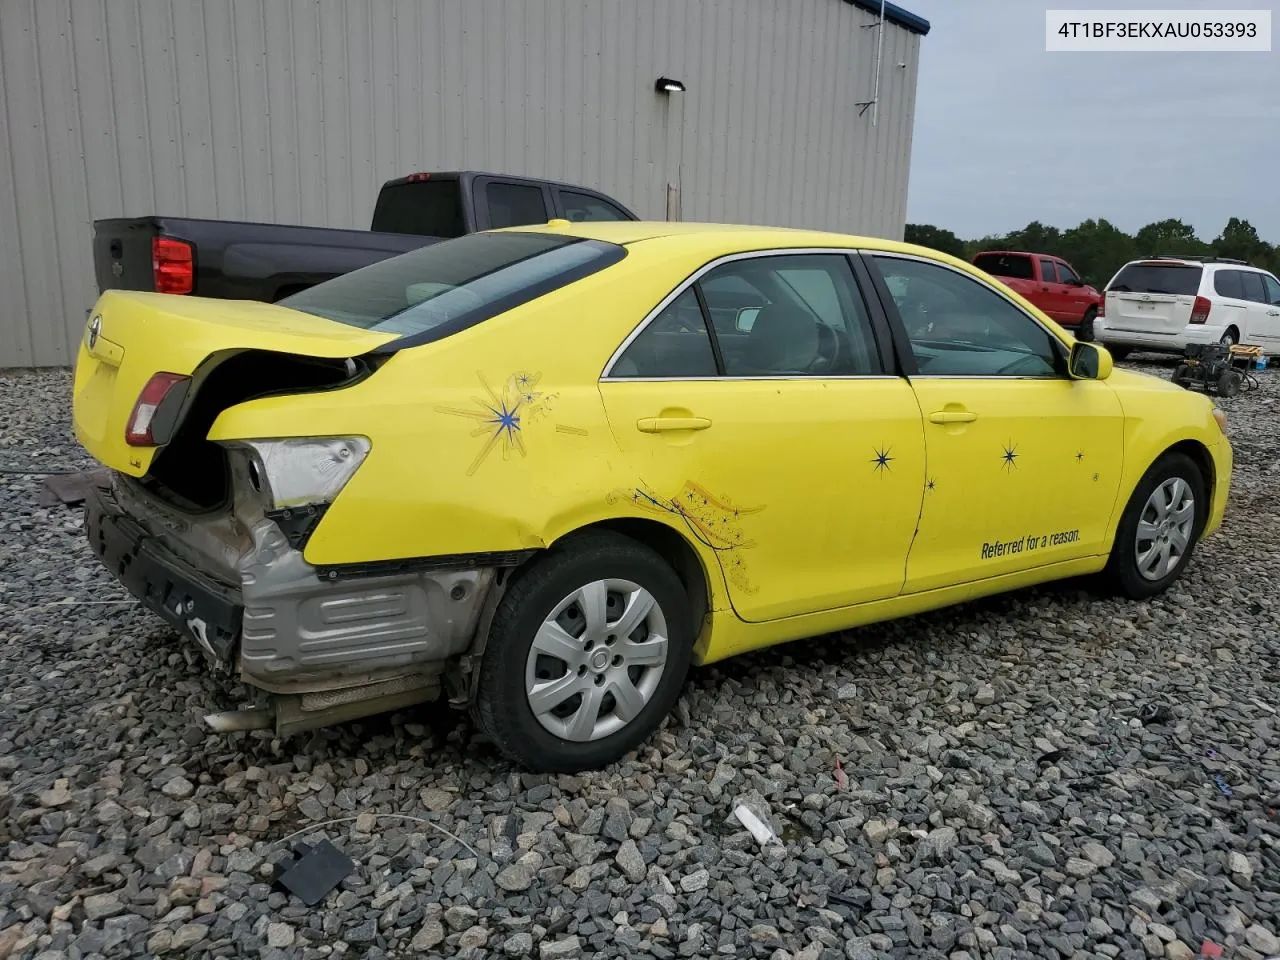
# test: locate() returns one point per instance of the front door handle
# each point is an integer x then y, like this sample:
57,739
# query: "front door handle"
952,416
665,424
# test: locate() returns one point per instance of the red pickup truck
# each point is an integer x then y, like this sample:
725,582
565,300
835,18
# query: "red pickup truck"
1048,282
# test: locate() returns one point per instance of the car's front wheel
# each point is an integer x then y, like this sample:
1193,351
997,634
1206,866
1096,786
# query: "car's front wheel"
1158,529
586,655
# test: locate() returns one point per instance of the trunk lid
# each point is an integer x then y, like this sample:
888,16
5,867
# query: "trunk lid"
131,336
1153,296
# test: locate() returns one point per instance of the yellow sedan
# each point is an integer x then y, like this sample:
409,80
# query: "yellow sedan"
541,471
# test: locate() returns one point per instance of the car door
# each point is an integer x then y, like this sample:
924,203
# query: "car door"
1270,335
1231,308
784,447
1075,299
1256,307
1023,462
1051,296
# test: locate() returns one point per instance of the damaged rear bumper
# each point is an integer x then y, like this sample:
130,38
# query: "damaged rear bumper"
320,649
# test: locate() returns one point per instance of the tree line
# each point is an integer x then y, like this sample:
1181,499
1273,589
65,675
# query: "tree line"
1097,248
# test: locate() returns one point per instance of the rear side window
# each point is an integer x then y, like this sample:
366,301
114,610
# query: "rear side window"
429,208
1226,283
580,207
429,293
515,205
1149,277
1005,265
675,345
1253,288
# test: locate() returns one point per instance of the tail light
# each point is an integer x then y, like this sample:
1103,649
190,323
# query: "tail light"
1102,304
141,430
1200,311
172,265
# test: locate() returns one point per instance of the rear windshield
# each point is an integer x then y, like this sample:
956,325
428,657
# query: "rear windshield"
1005,265
1176,278
428,208
442,288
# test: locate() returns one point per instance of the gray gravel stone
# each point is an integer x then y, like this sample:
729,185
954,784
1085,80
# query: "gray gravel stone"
1002,801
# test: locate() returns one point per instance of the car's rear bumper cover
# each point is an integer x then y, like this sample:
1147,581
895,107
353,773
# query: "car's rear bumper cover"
1176,342
282,627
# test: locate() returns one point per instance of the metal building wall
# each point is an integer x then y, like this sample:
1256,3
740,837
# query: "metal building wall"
296,110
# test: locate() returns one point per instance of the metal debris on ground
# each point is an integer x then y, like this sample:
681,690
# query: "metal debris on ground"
313,871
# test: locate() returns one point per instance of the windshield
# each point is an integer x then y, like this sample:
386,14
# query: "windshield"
439,289
1175,278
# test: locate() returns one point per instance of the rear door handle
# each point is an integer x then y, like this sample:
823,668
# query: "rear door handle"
664,424
952,416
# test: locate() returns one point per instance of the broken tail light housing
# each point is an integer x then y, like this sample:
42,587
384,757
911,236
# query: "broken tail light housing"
305,470
1200,311
172,265
141,430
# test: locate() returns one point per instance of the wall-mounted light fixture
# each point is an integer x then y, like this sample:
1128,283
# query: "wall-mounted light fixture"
667,85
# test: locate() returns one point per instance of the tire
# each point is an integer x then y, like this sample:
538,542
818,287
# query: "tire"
1123,574
1119,353
1085,332
1181,375
1229,383
603,568
1230,338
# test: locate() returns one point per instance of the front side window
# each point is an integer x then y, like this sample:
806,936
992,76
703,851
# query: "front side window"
515,204
581,207
444,287
1066,274
959,327
675,345
1253,288
1047,272
793,315
1273,289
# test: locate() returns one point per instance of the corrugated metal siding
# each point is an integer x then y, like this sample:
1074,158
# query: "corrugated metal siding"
297,110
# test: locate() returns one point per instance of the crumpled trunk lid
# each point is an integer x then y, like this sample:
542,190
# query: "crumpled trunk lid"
132,336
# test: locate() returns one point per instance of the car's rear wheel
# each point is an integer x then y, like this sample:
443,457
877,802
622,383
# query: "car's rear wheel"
1085,332
586,655
1158,529
1230,338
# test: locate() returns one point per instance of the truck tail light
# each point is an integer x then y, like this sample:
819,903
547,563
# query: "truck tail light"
139,432
172,265
1200,310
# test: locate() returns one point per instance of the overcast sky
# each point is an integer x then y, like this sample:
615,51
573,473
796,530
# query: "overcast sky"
1006,133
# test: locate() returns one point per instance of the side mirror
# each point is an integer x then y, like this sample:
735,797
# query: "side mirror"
747,318
1075,282
1089,361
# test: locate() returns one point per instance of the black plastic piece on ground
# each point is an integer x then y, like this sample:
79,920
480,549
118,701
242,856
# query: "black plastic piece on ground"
1154,713
314,872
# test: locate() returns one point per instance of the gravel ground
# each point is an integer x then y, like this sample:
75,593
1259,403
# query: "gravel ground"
1001,796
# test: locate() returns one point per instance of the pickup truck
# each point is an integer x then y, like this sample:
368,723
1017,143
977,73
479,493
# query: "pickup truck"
237,260
1048,282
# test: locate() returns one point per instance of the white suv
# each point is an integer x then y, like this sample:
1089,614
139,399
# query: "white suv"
1165,303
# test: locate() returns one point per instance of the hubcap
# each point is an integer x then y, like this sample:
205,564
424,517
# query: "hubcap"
596,660
1164,528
